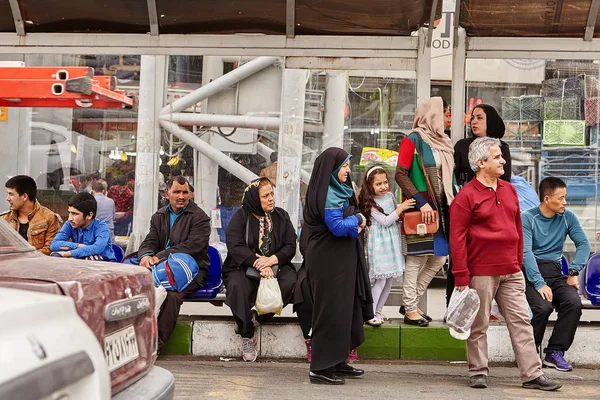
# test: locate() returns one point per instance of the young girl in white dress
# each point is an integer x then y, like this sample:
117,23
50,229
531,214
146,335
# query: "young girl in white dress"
384,242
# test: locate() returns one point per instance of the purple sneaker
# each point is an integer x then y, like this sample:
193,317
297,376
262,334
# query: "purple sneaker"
557,360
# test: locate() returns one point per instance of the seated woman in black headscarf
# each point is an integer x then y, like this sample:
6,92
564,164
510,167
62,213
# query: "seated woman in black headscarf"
336,269
260,240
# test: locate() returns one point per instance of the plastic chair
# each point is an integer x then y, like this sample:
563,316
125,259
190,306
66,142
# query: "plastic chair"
592,279
213,283
565,265
118,252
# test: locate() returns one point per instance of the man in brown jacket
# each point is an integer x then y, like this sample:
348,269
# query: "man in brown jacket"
34,222
270,172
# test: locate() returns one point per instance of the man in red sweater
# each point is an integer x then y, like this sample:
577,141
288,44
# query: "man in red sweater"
486,244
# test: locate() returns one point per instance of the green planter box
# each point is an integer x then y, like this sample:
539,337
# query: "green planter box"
433,343
381,343
180,342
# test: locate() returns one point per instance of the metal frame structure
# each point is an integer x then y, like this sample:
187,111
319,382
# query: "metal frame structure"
331,53
211,45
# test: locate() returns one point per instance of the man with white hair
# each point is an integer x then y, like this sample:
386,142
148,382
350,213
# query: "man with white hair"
486,243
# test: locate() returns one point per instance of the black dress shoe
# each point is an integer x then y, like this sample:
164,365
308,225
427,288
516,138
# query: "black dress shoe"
348,371
418,322
402,311
325,378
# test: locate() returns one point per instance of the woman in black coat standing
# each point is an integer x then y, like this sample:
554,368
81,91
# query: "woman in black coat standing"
336,269
485,121
260,240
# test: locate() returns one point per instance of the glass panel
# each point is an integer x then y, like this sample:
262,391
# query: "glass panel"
7,23
226,16
550,110
111,16
257,96
66,150
378,113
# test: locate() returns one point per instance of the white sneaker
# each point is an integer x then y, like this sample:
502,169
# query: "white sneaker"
249,352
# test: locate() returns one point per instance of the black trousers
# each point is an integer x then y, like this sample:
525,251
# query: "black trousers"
169,310
449,282
565,300
304,309
241,296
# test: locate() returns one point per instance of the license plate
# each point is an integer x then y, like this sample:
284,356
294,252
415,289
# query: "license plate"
120,348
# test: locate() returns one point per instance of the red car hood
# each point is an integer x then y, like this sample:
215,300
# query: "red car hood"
92,285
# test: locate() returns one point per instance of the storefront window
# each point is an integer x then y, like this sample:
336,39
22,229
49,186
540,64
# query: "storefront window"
378,113
65,150
550,109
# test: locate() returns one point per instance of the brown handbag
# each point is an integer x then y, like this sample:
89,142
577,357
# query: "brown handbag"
412,221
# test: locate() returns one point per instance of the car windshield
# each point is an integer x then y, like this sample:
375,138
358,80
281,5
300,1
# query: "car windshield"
11,241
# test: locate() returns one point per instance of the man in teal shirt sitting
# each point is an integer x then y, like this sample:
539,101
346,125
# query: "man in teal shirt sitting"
545,229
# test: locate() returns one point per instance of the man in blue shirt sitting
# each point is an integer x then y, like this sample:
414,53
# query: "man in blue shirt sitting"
545,229
84,237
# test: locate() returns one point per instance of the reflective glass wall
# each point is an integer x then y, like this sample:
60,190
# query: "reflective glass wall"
550,109
66,150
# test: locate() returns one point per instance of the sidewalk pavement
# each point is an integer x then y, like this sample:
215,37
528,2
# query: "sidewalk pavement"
266,380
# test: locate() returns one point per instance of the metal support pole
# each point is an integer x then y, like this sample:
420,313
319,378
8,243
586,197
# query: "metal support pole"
207,171
431,21
290,19
293,91
219,84
335,107
17,17
423,67
152,17
153,82
458,85
206,149
591,22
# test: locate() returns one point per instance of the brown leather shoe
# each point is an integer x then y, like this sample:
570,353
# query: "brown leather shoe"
479,381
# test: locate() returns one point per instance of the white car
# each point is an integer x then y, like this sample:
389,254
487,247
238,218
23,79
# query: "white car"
47,351
56,152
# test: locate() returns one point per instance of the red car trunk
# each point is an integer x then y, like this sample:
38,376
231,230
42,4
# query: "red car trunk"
115,300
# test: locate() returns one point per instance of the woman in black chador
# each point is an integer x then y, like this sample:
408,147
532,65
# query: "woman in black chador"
261,241
336,269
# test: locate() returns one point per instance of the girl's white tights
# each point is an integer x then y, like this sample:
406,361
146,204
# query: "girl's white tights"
380,290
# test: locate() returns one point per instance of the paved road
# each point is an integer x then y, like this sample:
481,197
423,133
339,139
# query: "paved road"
198,379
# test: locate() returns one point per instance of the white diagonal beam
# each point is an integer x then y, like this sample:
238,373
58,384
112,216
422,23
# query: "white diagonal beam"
227,80
205,148
153,17
591,22
16,12
231,121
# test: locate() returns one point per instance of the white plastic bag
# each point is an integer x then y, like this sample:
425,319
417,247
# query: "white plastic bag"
160,294
496,311
268,299
461,313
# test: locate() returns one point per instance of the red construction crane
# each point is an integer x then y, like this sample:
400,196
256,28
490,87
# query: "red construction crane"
65,87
